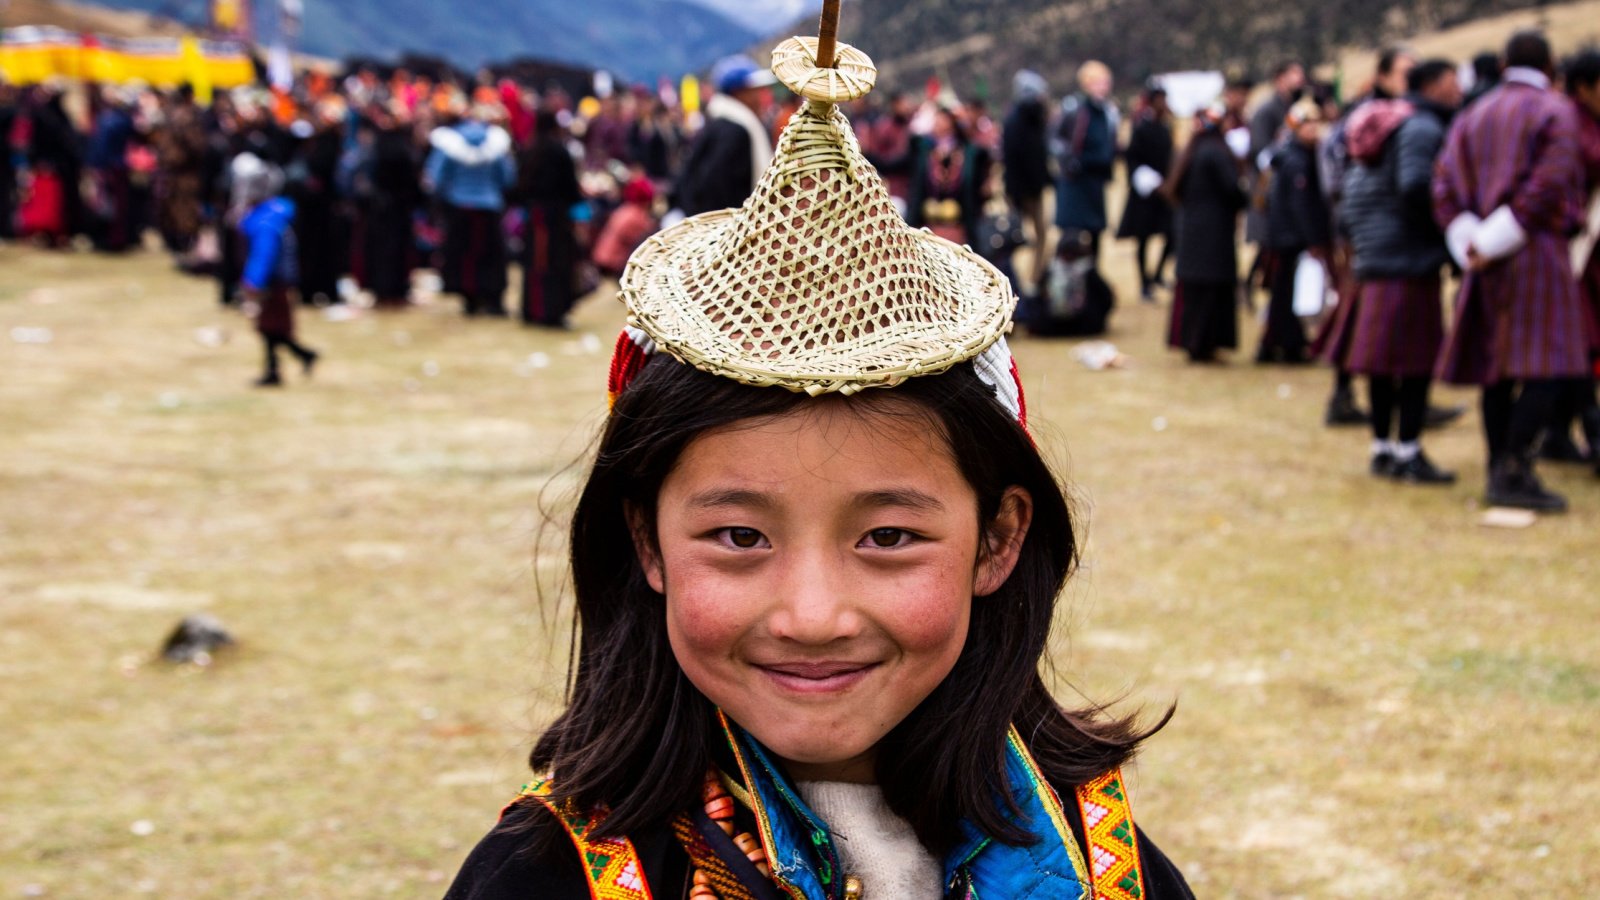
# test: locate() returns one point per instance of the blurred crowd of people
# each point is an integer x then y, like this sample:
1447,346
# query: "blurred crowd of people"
1480,179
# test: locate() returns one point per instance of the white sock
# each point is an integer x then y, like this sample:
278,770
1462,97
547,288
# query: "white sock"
1406,452
1381,447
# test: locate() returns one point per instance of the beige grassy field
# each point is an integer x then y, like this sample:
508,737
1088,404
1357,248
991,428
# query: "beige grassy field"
1377,697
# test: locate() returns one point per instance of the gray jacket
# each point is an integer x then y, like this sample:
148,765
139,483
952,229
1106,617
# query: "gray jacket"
1388,207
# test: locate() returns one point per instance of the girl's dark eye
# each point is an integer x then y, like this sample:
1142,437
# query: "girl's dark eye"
743,538
887,537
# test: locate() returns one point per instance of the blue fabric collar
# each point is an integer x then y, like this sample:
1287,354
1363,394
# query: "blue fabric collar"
805,863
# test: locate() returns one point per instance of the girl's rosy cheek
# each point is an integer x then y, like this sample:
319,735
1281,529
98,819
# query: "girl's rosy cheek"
931,613
705,618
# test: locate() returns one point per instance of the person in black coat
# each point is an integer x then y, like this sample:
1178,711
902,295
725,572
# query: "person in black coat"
1298,222
58,147
1206,187
311,177
1149,160
1025,155
733,149
548,189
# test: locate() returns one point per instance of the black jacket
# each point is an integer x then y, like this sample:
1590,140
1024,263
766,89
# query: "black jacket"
1297,213
1210,197
717,173
1150,145
1388,206
1025,150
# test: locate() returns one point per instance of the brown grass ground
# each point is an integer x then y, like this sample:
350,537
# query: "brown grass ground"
1377,697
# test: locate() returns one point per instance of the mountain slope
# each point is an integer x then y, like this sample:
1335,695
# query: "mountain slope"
641,38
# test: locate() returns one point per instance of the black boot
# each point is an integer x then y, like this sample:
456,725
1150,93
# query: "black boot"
1591,434
1512,483
1421,470
1561,448
1342,410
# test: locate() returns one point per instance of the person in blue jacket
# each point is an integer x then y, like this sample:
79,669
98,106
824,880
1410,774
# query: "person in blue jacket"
468,172
266,230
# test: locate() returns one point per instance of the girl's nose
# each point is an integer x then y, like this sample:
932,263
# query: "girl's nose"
814,602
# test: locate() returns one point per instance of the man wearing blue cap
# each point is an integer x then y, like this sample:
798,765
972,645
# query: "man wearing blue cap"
733,149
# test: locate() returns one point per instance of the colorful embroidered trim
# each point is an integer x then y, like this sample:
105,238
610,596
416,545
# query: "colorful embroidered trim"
1052,804
611,864
1113,842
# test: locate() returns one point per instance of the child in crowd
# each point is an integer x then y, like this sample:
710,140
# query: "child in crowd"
266,228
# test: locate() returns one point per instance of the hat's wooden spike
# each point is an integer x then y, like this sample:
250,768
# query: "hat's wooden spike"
828,34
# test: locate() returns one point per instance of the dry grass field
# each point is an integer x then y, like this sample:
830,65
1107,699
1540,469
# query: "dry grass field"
1377,696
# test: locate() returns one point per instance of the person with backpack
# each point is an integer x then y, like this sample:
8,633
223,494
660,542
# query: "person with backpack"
1086,150
1397,327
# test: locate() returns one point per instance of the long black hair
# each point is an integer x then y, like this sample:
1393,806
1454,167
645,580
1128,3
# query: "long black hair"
636,735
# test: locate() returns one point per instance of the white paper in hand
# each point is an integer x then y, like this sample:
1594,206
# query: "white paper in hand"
1146,181
1239,142
1500,235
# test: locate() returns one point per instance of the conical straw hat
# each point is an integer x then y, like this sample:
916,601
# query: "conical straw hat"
816,284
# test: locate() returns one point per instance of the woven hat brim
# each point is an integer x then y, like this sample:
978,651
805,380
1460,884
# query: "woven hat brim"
971,310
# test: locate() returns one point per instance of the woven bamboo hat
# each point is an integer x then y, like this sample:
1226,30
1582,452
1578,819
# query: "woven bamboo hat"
816,284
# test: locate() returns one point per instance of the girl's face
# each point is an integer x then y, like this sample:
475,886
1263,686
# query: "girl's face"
819,570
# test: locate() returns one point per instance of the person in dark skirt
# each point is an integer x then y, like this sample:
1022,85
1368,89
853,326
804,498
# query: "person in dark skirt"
1149,161
547,187
1298,223
381,178
468,172
311,184
115,228
57,148
1397,325
1207,189
267,239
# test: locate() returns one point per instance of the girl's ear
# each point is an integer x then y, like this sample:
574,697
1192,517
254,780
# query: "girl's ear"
1002,542
644,546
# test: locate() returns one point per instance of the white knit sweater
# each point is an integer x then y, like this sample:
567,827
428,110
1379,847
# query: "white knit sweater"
874,844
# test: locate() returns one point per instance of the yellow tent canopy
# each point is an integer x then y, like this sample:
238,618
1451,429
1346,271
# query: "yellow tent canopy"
33,54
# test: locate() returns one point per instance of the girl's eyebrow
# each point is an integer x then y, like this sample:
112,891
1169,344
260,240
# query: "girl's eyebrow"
725,497
904,498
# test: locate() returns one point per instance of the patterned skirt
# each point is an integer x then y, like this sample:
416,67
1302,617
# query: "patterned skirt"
1396,328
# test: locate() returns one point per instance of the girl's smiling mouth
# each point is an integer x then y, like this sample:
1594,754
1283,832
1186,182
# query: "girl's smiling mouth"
823,677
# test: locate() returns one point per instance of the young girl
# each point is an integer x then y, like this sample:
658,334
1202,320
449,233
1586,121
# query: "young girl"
812,615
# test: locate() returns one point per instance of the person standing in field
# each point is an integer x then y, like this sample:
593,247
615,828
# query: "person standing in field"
1086,151
1149,161
1025,156
1207,188
1298,224
468,172
1508,191
1398,253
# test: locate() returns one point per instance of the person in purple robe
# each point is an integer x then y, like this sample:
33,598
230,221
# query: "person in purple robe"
1508,190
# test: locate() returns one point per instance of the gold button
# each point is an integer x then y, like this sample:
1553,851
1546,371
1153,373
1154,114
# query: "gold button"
852,888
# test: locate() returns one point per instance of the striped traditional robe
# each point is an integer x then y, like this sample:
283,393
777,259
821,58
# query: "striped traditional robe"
1522,317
